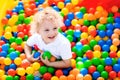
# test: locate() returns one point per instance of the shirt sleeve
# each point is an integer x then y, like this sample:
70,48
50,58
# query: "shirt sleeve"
31,40
65,51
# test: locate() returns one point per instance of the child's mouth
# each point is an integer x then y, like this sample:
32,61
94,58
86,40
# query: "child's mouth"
51,37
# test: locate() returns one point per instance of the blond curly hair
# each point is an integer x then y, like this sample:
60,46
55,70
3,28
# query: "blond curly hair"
46,14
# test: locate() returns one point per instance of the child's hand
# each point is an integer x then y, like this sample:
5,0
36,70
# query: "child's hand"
32,59
45,61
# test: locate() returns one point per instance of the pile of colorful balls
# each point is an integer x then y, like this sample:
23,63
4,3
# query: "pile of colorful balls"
94,34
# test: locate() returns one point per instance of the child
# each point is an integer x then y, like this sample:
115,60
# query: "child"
45,35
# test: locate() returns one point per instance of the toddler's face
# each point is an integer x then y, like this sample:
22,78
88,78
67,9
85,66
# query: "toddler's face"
48,31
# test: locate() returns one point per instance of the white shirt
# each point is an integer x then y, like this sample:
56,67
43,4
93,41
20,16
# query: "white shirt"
59,48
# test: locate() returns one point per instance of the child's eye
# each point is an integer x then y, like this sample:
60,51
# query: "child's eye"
55,28
46,29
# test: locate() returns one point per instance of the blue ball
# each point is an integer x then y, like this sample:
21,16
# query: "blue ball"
117,25
117,19
20,3
108,61
95,75
65,72
5,47
3,54
102,33
67,22
37,78
8,16
78,45
101,42
110,26
105,47
70,16
12,66
15,10
56,8
41,1
116,67
36,54
79,15
6,68
84,59
13,55
109,42
84,71
77,33
109,33
118,61
67,1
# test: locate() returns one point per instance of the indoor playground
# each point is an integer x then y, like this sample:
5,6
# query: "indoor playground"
91,26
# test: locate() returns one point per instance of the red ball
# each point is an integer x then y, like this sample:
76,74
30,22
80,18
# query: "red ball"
22,78
112,74
1,42
108,68
118,74
9,12
84,41
28,12
32,6
0,48
19,48
91,69
58,73
5,20
11,72
113,54
20,34
91,10
73,44
93,32
25,63
84,29
47,76
20,28
73,55
63,28
89,54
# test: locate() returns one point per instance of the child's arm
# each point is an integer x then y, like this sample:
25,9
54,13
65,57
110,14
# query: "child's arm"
28,51
57,64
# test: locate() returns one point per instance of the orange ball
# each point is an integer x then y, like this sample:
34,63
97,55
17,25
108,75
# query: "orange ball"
97,47
79,77
114,35
52,59
97,14
100,78
2,60
69,6
116,41
103,20
63,77
71,77
104,13
114,9
13,45
87,77
22,56
91,17
117,31
75,72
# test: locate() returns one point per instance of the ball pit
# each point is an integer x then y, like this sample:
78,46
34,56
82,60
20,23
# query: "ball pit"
92,29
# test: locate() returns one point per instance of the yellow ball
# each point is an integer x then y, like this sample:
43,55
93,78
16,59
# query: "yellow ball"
74,22
14,28
54,78
36,65
80,21
65,11
21,71
13,20
3,77
8,29
7,61
105,38
60,5
84,35
18,61
85,16
23,44
97,38
73,63
118,54
113,48
99,8
74,2
29,70
91,28
8,35
2,73
97,54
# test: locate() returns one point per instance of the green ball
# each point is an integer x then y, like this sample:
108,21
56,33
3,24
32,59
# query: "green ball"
110,19
78,59
102,61
83,10
21,11
70,38
30,77
86,22
27,20
114,61
79,65
104,74
110,14
79,53
12,39
87,63
95,61
11,50
16,78
25,38
93,43
94,22
18,53
43,70
21,17
104,54
18,40
9,78
85,48
51,70
70,32
100,68
101,27
74,49
61,14
46,54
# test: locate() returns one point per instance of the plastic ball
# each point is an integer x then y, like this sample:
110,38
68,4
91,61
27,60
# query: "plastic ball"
54,78
35,65
112,74
27,20
18,40
3,54
105,47
37,78
46,54
70,38
113,48
60,5
84,35
100,78
79,65
7,61
21,71
67,22
1,73
11,72
89,54
116,67
29,70
9,77
95,75
96,61
85,48
71,77
116,41
51,70
114,9
104,74
36,54
83,71
97,54
13,55
63,77
74,2
17,61
8,35
65,11
16,78
79,15
43,69
8,29
78,77
29,77
47,76
91,69
87,77
58,73
74,22
25,63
